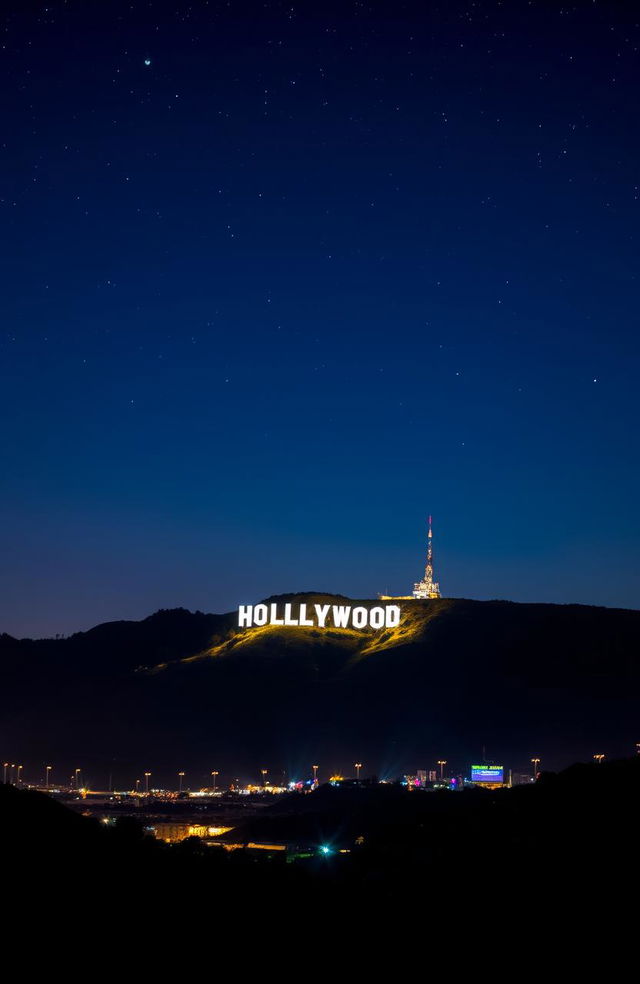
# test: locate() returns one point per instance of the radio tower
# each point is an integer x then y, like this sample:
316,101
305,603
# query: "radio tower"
428,588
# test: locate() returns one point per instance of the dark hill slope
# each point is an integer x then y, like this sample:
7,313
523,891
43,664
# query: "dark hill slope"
181,688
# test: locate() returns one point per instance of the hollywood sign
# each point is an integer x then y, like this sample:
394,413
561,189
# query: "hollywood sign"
322,616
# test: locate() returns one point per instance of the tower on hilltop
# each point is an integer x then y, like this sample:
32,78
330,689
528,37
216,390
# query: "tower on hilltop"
427,588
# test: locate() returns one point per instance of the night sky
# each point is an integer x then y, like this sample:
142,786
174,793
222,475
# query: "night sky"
280,280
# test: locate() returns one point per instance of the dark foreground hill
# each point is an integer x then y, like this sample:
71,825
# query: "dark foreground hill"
484,867
183,690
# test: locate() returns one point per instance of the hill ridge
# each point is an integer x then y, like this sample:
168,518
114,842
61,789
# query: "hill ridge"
456,675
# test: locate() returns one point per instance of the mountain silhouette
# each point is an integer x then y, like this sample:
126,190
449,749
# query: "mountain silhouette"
457,679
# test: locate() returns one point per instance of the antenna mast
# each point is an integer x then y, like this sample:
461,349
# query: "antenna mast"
428,588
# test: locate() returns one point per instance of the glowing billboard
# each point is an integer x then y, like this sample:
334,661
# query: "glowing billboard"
487,773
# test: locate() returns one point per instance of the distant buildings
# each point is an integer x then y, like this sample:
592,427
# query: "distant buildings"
521,779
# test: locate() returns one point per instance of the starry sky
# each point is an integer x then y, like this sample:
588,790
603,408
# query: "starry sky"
281,279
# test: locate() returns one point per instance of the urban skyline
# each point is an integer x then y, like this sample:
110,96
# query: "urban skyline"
218,781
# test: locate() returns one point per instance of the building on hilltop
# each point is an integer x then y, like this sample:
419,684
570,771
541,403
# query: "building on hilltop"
427,587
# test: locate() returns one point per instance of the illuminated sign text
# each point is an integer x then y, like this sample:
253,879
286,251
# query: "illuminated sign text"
323,616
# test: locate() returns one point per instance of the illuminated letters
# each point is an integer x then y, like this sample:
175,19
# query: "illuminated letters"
359,617
321,612
302,617
392,616
260,615
287,616
274,620
244,615
342,616
376,618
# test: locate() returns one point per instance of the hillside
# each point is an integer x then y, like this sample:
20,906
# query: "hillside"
190,690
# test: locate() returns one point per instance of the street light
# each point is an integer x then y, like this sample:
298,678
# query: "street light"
315,773
146,782
442,763
77,776
4,778
137,785
46,776
535,763
214,774
181,777
599,758
20,767
358,766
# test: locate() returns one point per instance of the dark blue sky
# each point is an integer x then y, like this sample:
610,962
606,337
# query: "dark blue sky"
315,272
